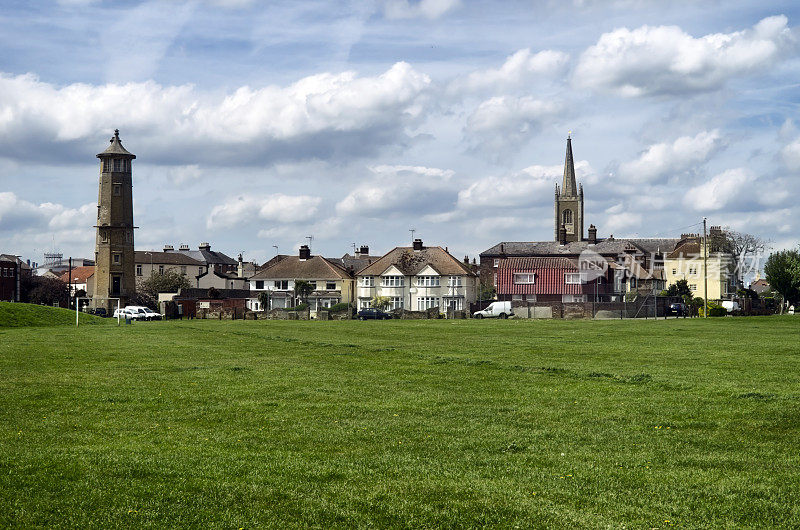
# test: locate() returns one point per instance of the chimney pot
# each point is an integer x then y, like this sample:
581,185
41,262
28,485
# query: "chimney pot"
168,248
305,252
562,235
418,244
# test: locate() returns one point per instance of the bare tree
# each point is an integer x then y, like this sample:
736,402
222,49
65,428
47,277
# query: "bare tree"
746,250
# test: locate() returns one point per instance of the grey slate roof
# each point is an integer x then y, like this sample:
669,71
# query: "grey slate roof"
210,257
116,149
609,246
292,267
168,258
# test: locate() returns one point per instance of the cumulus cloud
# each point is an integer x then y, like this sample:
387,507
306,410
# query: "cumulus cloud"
278,208
393,189
520,68
26,224
503,123
728,189
316,117
430,9
665,60
663,160
531,186
791,155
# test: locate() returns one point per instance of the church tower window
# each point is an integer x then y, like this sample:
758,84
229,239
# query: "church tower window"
567,217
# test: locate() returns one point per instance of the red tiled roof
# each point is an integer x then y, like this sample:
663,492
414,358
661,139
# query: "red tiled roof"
79,274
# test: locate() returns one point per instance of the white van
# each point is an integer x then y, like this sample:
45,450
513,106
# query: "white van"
731,305
495,310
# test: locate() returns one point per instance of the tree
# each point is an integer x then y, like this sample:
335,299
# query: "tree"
679,288
44,290
746,250
302,289
381,302
782,270
264,298
168,282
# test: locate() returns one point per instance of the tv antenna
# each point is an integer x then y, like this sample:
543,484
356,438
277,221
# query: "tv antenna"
412,234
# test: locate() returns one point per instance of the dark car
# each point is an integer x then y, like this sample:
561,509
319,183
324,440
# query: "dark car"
677,309
99,311
370,313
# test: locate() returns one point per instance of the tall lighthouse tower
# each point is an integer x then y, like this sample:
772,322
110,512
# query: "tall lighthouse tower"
114,257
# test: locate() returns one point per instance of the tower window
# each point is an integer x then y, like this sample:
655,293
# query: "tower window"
567,217
117,258
106,165
117,190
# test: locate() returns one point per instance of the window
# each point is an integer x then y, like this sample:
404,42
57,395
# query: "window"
117,258
397,302
496,262
313,284
454,281
118,164
106,165
693,286
117,189
427,281
456,304
573,278
103,236
674,272
161,269
427,302
199,270
368,281
567,217
392,281
572,298
524,278
330,286
281,285
138,270
259,284
518,297
692,270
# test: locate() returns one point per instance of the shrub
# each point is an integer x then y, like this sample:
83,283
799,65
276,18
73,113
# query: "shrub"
714,310
342,306
300,307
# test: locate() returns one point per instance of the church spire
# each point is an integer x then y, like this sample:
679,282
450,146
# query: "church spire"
569,188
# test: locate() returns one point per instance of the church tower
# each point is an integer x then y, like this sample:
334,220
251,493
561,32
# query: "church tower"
114,257
569,202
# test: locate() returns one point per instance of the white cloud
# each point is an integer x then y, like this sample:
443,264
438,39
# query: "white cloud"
391,189
664,160
791,155
503,123
533,185
180,123
430,9
666,60
729,188
518,70
619,221
278,208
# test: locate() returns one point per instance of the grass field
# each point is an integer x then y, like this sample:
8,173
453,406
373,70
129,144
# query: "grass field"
685,423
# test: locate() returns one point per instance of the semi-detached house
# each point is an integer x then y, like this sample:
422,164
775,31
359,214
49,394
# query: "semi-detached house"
418,278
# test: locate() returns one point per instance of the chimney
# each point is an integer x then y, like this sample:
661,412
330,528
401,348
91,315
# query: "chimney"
204,246
168,248
240,268
466,260
592,235
363,251
305,252
562,235
184,247
418,244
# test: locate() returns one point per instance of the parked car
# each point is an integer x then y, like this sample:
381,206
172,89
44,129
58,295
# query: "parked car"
678,309
732,306
98,311
495,310
371,313
137,312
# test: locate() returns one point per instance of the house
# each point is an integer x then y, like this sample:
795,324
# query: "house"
760,285
220,280
636,264
330,281
418,278
551,279
149,262
80,279
687,262
188,302
212,259
12,271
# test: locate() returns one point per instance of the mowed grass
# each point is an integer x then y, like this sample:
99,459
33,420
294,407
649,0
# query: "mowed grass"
13,315
255,424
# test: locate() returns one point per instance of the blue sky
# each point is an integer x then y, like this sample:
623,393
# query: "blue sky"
256,124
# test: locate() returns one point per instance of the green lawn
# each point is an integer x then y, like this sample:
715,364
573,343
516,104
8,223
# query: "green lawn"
640,424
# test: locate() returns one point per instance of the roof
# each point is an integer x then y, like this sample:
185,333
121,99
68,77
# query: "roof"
79,274
686,247
116,149
410,262
15,259
209,256
292,267
538,263
165,258
226,275
608,246
354,263
195,292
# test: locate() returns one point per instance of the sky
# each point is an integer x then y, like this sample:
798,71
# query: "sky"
262,126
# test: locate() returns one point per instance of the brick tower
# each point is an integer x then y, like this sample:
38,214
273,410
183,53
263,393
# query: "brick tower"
114,257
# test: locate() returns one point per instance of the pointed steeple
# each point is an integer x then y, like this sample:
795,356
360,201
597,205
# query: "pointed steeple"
569,188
